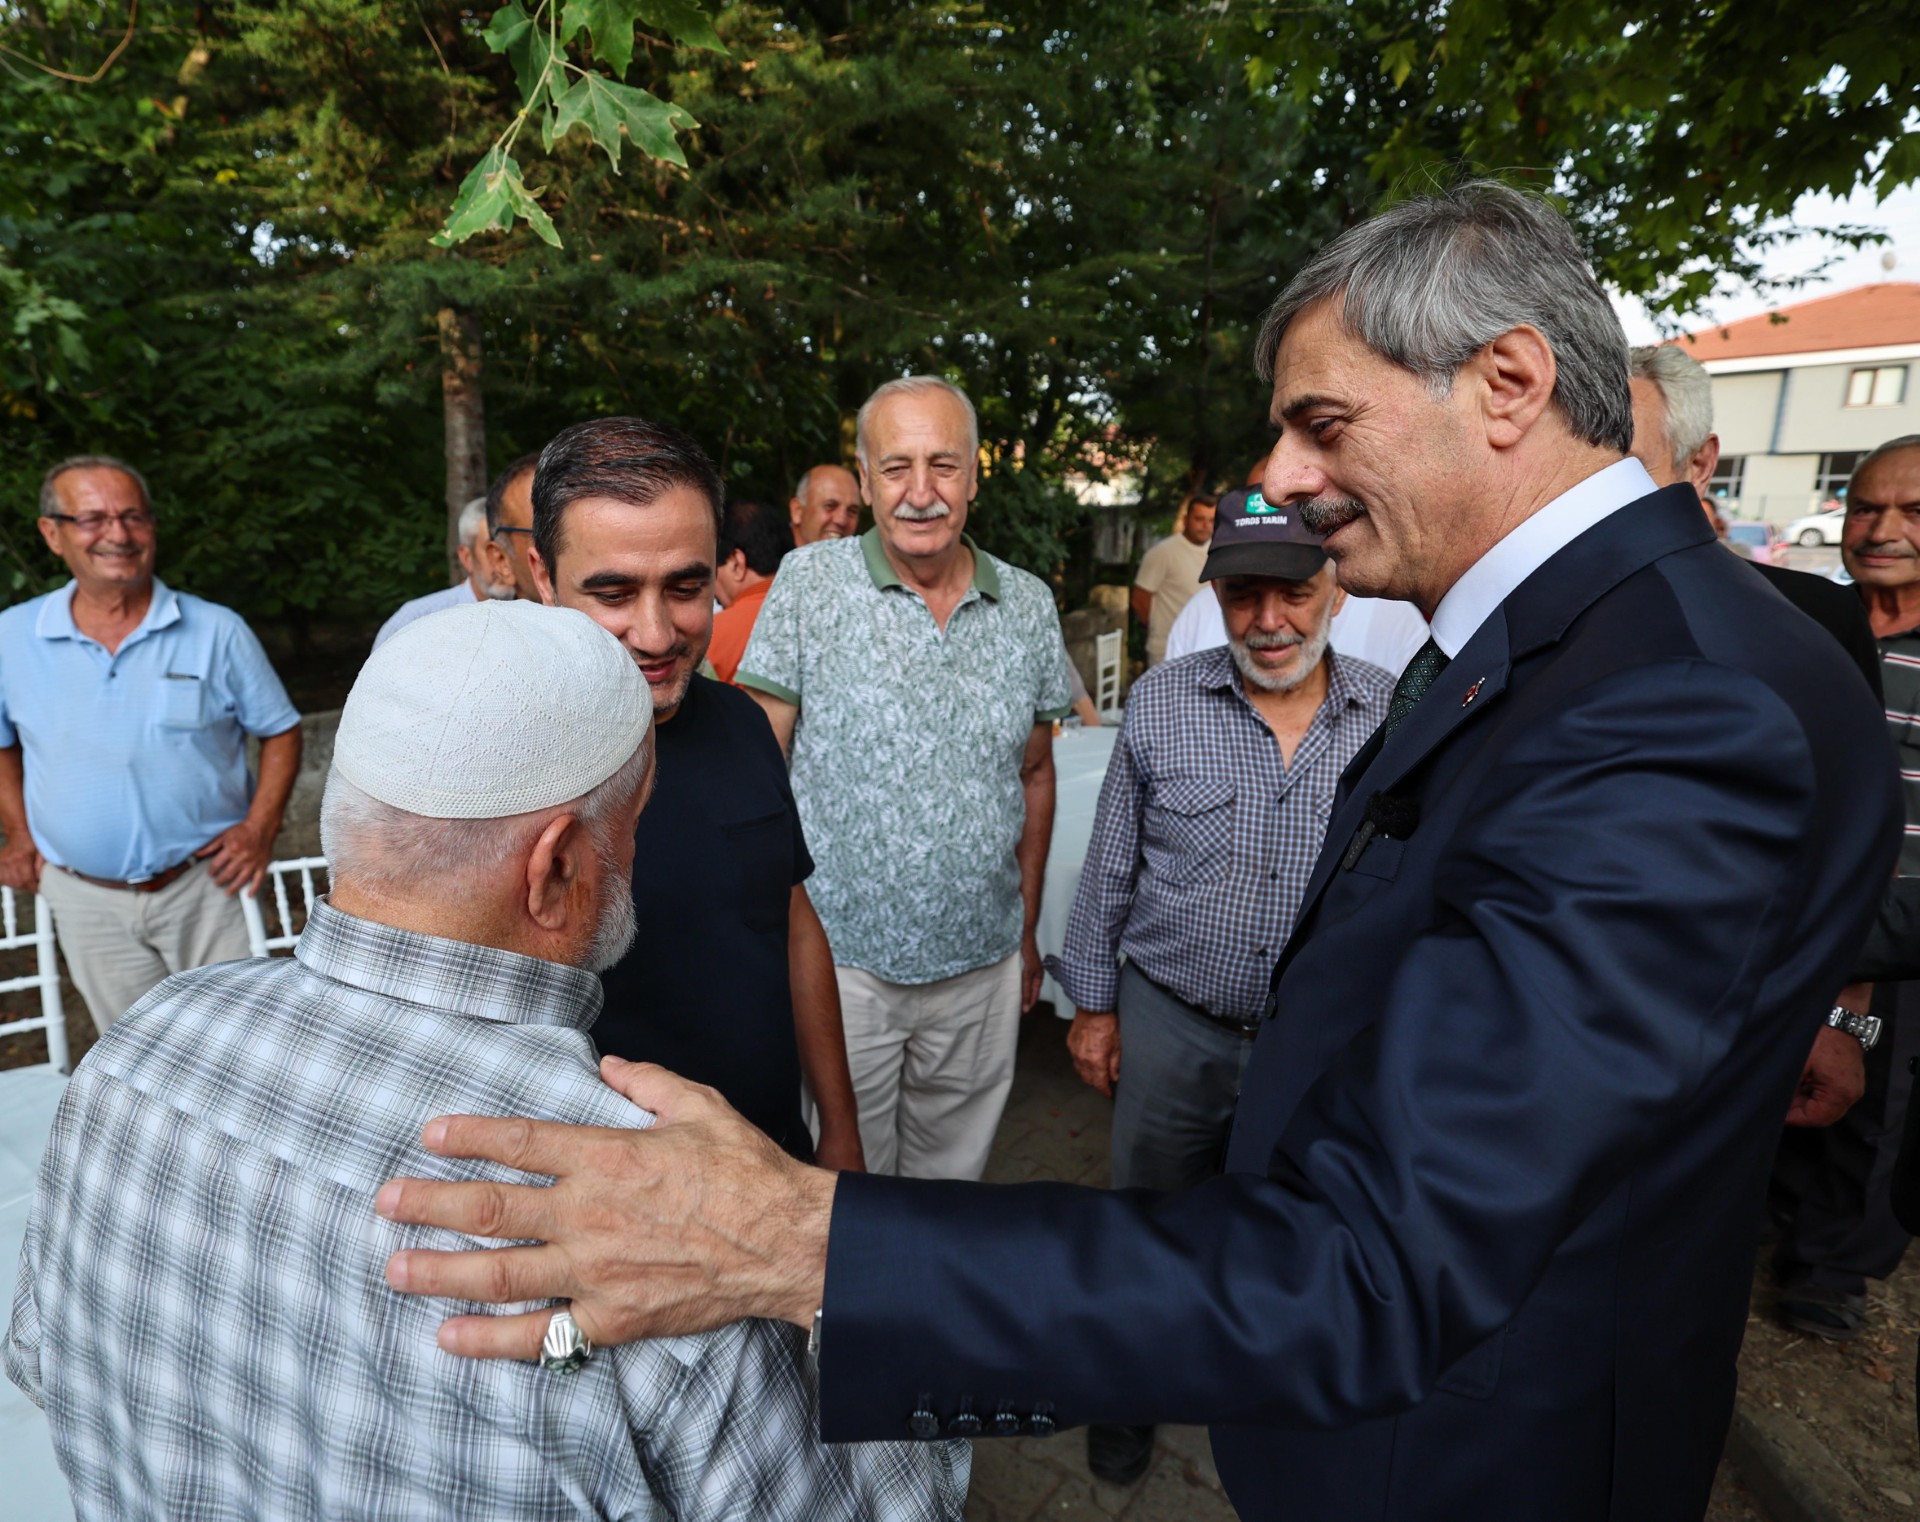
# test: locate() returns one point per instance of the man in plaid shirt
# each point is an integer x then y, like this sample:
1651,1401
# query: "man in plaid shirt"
201,1309
1209,822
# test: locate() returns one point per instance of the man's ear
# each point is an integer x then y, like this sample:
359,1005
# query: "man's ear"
556,873
498,563
1515,374
736,563
465,554
1705,461
542,577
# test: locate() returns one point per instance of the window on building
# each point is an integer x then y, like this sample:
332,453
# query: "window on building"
1877,386
1835,471
1728,476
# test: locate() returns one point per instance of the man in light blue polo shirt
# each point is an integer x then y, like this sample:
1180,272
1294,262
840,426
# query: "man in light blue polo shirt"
914,679
124,712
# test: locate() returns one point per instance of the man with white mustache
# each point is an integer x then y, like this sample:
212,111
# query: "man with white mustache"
1209,821
913,680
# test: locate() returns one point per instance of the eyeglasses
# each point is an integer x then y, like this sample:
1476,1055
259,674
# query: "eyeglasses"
94,523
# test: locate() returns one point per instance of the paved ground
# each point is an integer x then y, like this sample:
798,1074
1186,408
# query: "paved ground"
1056,1128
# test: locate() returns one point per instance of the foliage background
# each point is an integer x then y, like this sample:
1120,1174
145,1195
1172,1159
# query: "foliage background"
215,259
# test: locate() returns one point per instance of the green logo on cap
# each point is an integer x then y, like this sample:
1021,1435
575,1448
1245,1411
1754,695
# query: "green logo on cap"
1259,507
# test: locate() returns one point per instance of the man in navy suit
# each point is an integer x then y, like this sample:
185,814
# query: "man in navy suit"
1484,1245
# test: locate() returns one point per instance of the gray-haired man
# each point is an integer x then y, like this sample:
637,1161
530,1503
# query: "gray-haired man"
1483,1247
825,505
913,680
478,585
200,1307
125,708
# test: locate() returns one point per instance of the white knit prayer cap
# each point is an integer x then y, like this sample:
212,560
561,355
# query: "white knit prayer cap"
491,709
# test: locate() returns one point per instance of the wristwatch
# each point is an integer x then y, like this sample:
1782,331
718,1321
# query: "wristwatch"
1863,1028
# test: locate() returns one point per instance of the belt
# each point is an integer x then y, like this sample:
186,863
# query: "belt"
1240,1028
151,884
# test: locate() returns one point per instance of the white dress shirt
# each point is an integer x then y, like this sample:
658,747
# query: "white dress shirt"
1492,578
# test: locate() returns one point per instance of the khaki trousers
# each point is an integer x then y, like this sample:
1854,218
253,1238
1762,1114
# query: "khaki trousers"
931,1065
119,944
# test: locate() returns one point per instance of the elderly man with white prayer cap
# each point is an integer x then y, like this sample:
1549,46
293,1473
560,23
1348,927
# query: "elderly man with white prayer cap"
201,1309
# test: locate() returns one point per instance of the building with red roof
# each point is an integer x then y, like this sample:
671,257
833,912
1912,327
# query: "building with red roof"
1801,393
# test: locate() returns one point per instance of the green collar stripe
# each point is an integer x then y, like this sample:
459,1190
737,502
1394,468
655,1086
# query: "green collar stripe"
986,580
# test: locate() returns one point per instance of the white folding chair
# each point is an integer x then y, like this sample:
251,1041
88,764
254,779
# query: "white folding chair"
1106,675
259,942
45,975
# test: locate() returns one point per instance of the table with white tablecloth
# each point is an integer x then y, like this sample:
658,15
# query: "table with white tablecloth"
34,1488
1080,759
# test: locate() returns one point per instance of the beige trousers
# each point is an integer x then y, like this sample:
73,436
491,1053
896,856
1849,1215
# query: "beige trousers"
931,1066
119,944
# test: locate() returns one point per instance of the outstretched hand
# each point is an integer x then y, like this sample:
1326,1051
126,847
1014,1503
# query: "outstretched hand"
694,1223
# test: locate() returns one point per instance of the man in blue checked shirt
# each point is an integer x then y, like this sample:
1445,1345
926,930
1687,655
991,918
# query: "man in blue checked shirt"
125,708
1208,826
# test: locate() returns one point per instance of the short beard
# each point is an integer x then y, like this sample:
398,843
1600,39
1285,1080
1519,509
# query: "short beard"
930,514
1312,647
613,937
1325,514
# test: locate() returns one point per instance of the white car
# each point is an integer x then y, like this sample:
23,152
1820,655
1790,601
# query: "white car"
1817,528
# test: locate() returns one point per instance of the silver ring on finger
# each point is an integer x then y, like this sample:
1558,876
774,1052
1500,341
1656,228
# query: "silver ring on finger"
565,1349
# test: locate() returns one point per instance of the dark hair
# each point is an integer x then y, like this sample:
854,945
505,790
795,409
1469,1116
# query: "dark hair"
497,493
764,534
626,458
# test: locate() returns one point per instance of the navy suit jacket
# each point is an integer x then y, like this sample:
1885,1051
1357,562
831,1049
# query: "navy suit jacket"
1484,1244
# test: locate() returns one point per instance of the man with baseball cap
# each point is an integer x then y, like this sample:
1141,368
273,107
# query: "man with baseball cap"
1208,825
201,1310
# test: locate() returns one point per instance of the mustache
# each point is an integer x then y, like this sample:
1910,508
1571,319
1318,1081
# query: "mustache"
1278,640
922,514
1325,514
1901,548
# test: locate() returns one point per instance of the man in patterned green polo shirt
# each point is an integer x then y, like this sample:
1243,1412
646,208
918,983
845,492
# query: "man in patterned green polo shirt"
913,680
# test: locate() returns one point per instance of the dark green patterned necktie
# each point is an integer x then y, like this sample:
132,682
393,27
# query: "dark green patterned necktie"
1421,673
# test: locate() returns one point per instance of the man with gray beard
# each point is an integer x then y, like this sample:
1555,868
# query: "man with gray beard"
1208,825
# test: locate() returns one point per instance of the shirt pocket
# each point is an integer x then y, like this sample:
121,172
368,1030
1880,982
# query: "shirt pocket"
183,703
762,853
1187,834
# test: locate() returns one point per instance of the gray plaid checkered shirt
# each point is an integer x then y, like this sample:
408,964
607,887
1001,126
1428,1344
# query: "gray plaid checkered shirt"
1204,840
201,1308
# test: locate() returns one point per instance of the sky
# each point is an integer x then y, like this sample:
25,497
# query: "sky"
1899,214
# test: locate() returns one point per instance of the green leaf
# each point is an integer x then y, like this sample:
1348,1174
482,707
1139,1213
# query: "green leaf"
610,24
491,197
530,48
604,107
684,21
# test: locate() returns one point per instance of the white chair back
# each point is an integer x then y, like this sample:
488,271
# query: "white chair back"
261,941
1106,674
45,976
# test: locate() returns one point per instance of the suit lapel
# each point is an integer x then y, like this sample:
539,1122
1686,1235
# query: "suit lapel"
1534,615
1480,670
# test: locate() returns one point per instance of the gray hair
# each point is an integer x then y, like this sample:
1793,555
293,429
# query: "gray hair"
472,523
913,385
383,849
50,499
1430,282
1905,441
1686,393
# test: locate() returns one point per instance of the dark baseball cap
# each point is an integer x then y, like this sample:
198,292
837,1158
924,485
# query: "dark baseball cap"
1254,537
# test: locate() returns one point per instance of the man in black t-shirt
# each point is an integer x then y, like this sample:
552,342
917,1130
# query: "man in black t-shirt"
730,981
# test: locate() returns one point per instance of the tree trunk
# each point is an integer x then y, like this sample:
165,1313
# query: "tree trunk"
466,422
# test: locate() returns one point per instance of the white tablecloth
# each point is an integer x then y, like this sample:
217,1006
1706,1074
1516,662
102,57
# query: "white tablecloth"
33,1490
1080,759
